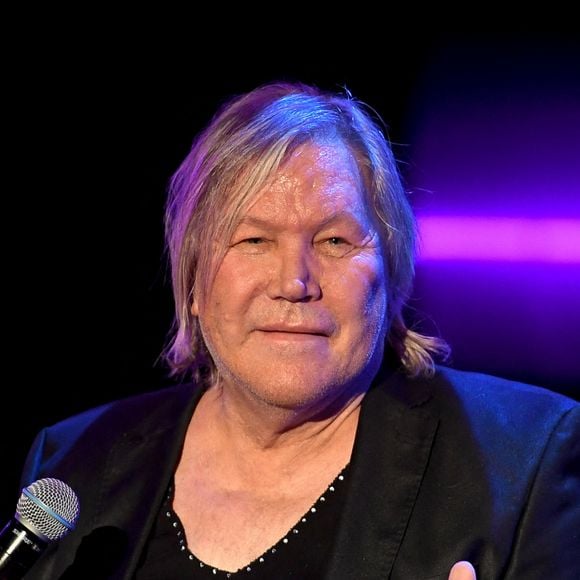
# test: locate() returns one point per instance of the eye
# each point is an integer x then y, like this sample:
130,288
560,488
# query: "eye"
251,245
335,246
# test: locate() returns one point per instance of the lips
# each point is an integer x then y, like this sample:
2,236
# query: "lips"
316,330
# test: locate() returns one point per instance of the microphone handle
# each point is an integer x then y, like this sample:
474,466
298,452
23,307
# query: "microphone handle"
19,550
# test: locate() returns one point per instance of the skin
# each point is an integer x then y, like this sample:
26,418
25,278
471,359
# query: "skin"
462,571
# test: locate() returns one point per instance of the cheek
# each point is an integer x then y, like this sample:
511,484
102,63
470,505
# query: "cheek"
368,287
377,297
373,315
235,285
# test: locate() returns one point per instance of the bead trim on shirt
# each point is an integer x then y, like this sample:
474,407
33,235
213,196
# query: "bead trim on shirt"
217,572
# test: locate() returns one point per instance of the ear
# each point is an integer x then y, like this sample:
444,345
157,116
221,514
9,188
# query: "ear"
194,307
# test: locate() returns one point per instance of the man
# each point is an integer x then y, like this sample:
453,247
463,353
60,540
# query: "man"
318,439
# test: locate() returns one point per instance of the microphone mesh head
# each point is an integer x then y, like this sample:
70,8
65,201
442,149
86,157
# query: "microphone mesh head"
42,497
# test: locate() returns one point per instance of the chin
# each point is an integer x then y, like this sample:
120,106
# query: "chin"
301,392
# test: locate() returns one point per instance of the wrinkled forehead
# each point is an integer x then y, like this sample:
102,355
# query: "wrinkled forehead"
322,175
319,165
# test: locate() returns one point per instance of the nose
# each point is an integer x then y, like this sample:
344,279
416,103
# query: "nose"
295,277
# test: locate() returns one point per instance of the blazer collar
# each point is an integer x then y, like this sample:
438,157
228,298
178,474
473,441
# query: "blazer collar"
390,455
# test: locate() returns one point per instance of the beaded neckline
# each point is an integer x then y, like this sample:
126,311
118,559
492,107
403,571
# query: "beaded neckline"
175,522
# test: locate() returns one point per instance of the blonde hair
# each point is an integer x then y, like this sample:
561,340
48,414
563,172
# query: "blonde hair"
232,159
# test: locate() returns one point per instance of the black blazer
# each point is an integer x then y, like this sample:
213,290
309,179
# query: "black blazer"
462,466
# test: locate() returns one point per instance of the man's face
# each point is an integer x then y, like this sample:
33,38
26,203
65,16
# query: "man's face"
296,314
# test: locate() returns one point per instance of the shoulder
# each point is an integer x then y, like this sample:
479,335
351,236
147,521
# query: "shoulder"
483,390
124,414
92,433
58,448
493,405
487,410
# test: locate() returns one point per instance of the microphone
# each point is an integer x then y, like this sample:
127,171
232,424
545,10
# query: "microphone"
47,511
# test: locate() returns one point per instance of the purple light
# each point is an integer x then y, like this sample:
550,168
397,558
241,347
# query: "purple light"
499,239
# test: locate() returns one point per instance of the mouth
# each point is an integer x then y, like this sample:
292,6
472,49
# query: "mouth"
285,337
297,330
294,334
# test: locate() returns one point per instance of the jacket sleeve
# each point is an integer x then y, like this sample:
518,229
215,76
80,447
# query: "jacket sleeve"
547,543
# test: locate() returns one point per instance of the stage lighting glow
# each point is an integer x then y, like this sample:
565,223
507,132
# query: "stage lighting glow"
506,239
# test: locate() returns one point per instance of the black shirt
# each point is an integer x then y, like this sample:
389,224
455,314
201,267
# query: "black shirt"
303,552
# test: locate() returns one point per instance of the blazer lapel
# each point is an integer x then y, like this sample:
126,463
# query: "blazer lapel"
128,491
154,456
390,455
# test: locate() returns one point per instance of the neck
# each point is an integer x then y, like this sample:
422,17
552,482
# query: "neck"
255,431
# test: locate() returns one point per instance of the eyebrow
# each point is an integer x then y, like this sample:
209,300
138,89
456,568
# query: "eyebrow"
266,224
